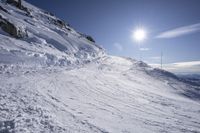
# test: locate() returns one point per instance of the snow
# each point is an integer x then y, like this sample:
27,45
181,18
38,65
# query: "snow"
45,39
57,81
109,95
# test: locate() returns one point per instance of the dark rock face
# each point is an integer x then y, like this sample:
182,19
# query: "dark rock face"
16,3
60,23
2,9
57,22
17,32
90,39
5,25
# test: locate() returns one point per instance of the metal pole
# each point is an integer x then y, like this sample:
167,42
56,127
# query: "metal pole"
161,60
140,52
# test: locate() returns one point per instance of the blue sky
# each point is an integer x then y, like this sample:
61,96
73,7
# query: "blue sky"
173,26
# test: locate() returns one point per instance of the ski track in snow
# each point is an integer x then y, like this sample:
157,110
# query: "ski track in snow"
56,80
106,96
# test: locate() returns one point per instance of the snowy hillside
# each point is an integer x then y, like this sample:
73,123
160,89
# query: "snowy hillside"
56,80
111,95
38,37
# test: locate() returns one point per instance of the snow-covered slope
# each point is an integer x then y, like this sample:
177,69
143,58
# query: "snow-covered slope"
91,92
112,94
38,37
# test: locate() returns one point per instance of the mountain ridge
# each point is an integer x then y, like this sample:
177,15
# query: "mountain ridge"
45,38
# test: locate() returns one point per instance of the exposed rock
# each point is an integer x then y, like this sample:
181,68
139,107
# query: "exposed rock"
2,9
60,23
16,3
90,38
18,32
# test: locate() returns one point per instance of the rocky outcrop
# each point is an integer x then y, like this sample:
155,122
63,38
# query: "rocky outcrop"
17,32
16,3
89,38
59,23
3,9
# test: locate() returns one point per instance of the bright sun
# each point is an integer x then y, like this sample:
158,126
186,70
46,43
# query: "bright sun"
139,35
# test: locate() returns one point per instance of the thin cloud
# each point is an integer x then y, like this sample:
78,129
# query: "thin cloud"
118,46
144,49
180,31
181,67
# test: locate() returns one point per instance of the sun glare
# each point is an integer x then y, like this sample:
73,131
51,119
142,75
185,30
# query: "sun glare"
139,35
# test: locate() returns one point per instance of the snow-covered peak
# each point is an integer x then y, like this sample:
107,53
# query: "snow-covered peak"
31,36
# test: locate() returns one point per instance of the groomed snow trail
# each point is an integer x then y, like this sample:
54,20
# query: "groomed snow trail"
114,94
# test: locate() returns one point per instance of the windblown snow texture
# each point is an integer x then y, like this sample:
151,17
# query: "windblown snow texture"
45,39
56,80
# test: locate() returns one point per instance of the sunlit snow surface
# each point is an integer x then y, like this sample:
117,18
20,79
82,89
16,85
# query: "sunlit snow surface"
57,81
47,43
111,95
